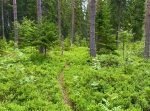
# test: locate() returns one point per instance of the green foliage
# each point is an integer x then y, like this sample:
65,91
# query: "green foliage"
107,104
67,43
31,34
27,32
134,21
105,86
47,35
79,41
29,81
26,9
132,17
104,30
109,60
65,17
3,45
84,42
125,36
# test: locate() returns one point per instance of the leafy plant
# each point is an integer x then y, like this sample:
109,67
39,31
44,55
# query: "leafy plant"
3,45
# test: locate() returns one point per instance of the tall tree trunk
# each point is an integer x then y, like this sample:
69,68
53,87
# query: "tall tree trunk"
39,11
15,21
147,29
92,29
3,19
59,27
39,17
59,19
119,21
72,29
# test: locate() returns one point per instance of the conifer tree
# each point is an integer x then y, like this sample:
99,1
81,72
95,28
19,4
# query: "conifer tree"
26,8
104,31
81,21
92,29
15,21
66,18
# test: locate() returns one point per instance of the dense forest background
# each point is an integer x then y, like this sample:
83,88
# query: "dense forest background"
74,55
111,17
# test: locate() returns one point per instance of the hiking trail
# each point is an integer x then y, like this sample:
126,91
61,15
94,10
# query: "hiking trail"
63,90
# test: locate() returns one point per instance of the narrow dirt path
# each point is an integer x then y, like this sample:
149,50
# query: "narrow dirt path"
65,94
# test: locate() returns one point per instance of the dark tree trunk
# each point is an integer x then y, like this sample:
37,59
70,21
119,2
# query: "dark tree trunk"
147,29
15,21
72,29
119,22
39,17
92,30
3,19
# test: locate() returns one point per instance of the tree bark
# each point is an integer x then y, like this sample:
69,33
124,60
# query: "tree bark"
72,29
59,27
15,21
92,29
3,19
39,11
39,17
119,22
147,29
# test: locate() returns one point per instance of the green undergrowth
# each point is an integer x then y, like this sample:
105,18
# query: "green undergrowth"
108,83
29,82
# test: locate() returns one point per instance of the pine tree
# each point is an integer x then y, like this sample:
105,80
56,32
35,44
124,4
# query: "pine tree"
15,21
92,29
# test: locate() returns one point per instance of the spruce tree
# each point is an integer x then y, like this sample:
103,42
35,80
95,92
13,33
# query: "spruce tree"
104,31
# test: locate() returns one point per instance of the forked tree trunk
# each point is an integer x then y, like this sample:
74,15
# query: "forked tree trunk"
147,29
72,29
92,29
15,21
39,17
3,19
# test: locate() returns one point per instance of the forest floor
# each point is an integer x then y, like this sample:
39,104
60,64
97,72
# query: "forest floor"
74,82
63,90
